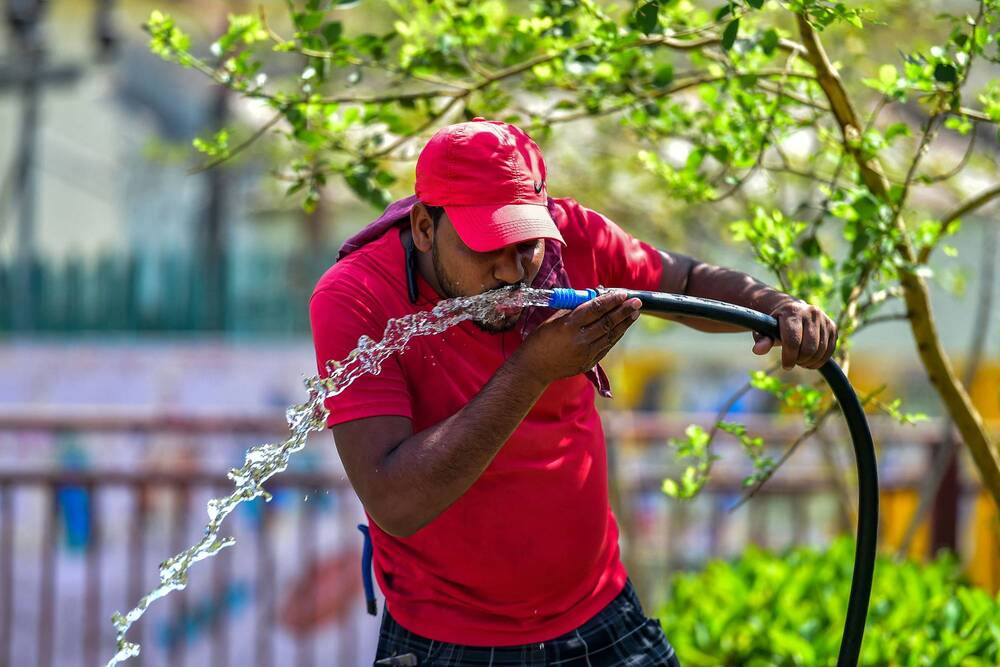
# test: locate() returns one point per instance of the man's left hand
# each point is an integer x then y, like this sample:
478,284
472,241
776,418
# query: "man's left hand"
808,336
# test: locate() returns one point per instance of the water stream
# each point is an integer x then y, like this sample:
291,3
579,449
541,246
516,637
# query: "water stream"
264,461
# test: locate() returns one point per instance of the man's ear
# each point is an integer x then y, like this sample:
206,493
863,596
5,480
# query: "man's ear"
421,227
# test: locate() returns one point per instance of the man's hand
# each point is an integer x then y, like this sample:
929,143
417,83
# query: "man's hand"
572,342
808,336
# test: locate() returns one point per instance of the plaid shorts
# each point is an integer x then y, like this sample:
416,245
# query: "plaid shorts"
620,634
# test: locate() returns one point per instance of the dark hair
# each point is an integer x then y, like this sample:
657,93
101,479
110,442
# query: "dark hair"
435,213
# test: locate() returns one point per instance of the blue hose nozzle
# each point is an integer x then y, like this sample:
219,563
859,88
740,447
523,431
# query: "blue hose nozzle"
564,297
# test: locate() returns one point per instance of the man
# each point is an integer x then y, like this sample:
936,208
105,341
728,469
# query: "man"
478,454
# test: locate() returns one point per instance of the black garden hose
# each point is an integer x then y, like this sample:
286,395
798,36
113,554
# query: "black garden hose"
864,450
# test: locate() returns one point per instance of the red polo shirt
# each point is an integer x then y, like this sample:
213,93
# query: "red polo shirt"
530,551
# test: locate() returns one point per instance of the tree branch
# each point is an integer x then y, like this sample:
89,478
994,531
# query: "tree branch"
240,148
928,180
765,135
726,407
672,42
433,118
805,435
802,437
972,114
878,319
327,55
683,84
980,328
772,87
952,217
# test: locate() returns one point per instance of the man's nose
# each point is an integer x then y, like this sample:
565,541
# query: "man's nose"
511,268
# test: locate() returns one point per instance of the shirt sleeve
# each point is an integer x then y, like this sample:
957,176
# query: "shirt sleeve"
621,260
338,318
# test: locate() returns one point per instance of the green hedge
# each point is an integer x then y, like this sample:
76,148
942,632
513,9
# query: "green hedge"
767,610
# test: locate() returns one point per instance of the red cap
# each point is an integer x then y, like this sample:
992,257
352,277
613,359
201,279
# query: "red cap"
490,178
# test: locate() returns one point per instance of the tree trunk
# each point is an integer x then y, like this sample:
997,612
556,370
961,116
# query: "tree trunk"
915,292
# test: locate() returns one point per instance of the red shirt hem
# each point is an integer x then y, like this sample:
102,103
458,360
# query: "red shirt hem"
609,588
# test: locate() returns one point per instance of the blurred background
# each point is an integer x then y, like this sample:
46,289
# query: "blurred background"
153,326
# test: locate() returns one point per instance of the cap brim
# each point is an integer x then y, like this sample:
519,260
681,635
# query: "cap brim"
486,228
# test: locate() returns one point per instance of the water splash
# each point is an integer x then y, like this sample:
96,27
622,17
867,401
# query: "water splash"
266,460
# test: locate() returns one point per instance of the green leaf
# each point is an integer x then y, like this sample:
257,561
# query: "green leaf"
945,73
310,138
309,20
897,130
756,4
647,16
769,41
810,247
215,147
729,34
959,124
696,435
166,39
694,159
720,152
332,31
384,178
981,36
733,428
845,211
888,74
664,75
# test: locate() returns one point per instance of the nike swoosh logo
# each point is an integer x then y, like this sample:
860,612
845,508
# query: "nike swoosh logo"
538,186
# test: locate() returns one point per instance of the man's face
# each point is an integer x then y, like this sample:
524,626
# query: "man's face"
461,271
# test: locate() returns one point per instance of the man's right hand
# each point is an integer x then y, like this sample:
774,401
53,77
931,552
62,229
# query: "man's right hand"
572,342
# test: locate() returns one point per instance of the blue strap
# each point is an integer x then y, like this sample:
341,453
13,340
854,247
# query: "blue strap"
366,571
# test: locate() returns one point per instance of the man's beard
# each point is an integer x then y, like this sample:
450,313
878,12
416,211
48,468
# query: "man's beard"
450,288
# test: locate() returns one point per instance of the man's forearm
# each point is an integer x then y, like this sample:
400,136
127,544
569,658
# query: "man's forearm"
689,276
806,335
722,284
431,469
